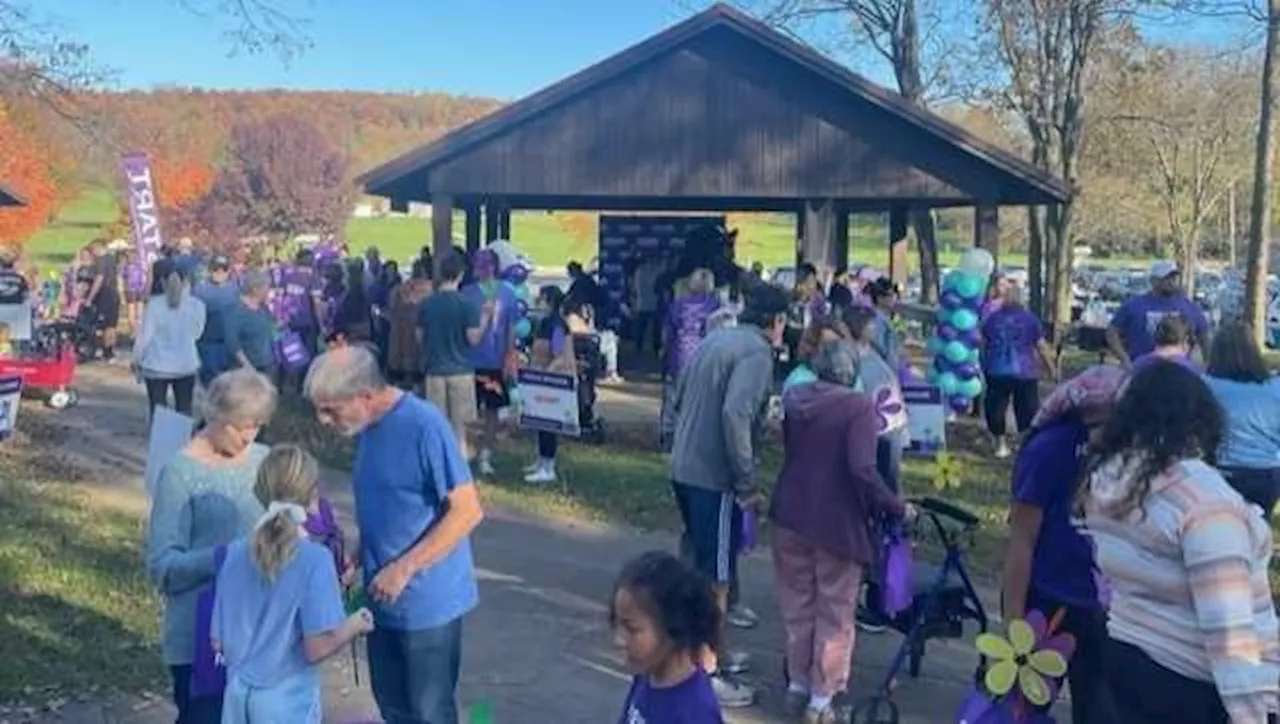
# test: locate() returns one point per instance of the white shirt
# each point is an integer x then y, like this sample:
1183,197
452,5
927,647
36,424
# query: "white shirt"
166,345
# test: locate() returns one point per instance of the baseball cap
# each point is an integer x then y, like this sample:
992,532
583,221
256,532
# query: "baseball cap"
1163,268
220,262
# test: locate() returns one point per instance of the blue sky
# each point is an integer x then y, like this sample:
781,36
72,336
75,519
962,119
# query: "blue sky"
502,48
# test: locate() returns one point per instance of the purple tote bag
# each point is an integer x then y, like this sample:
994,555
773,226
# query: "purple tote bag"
208,677
895,589
292,352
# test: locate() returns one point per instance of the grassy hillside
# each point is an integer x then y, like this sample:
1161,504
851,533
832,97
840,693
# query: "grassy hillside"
767,238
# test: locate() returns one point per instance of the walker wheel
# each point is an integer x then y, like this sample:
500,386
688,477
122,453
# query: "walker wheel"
878,710
73,398
59,400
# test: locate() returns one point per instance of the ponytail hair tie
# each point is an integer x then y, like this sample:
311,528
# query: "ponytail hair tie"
294,512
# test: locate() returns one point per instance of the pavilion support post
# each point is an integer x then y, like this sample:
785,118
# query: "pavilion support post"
800,237
473,227
986,229
504,222
441,224
898,245
490,223
820,244
842,241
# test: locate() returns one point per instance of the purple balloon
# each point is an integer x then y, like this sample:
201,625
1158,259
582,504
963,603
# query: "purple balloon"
950,300
961,404
947,332
516,274
522,308
942,364
970,337
966,370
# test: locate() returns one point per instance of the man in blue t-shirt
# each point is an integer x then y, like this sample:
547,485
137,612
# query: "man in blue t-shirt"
416,506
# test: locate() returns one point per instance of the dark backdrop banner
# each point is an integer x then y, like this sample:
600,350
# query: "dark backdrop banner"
626,239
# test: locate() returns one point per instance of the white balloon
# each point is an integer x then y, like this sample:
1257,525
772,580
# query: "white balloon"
977,262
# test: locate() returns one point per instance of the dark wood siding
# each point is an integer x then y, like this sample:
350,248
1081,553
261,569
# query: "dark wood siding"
718,117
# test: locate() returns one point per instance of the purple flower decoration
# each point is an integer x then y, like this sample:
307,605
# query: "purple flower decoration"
886,407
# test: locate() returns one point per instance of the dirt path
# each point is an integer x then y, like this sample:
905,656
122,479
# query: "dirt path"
538,647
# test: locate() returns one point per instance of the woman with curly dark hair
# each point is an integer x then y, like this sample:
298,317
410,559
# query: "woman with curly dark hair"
1192,627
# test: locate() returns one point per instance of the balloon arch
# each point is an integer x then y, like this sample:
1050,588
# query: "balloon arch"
957,364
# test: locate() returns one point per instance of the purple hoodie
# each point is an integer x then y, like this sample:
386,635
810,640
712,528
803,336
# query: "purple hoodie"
828,490
686,326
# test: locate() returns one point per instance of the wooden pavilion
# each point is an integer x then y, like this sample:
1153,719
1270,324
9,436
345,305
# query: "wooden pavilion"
717,113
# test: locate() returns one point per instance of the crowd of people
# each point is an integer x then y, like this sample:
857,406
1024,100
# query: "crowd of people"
1139,500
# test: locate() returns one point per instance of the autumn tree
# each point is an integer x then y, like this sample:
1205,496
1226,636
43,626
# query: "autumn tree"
281,178
1163,107
1045,47
23,168
902,32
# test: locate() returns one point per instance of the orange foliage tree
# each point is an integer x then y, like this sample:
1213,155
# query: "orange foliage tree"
25,169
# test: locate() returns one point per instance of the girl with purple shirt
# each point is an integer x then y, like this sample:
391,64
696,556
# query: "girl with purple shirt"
685,327
134,273
663,616
1050,565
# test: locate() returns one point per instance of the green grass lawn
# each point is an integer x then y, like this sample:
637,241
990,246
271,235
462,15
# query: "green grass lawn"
767,238
77,615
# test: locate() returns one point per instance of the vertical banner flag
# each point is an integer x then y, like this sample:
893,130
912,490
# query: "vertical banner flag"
144,211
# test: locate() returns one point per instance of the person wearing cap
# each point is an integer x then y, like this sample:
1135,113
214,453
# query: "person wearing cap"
220,299
1132,330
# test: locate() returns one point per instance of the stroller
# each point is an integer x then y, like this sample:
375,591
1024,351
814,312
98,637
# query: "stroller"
943,598
586,351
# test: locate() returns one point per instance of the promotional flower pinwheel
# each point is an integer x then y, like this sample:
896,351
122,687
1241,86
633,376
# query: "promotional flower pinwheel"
1024,672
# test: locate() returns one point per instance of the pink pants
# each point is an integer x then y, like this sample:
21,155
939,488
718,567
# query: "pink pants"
818,594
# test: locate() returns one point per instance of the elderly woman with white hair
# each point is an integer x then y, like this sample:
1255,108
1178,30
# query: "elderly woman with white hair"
416,505
249,327
203,501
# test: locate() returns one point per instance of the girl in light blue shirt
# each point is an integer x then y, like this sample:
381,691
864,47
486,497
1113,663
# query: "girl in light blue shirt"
1249,456
278,609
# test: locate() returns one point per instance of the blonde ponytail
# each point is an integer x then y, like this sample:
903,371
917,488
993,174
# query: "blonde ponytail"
286,484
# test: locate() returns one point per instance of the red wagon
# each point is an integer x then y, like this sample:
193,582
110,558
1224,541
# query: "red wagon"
53,374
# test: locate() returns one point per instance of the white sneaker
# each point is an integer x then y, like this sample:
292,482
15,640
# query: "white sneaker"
1002,449
731,694
546,473
533,467
735,662
484,466
742,617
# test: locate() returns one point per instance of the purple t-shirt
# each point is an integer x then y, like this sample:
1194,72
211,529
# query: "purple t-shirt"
1046,475
692,701
490,352
298,283
1138,317
135,277
1009,338
686,326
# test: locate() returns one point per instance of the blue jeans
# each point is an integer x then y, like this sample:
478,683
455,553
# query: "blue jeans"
414,674
296,699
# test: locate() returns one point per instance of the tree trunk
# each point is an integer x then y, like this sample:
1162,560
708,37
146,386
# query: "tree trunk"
1255,299
1035,259
927,244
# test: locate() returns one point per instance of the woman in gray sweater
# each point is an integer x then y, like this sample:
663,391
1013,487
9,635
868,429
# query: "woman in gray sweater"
203,501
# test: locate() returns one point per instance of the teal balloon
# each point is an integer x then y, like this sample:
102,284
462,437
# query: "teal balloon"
970,388
514,396
934,345
524,328
951,282
947,383
964,319
969,287
931,375
955,352
974,356
522,292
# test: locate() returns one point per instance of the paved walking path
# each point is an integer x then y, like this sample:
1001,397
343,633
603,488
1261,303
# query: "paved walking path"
538,648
